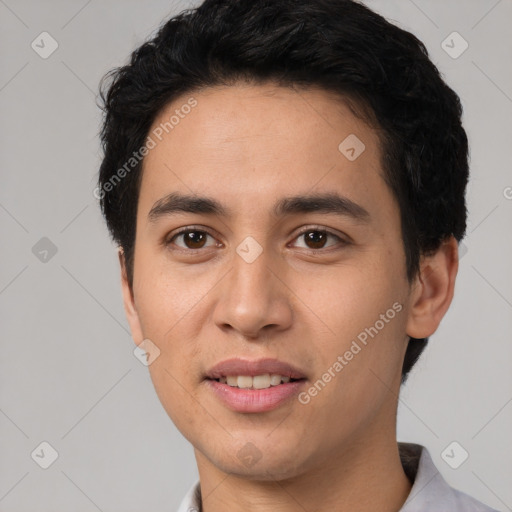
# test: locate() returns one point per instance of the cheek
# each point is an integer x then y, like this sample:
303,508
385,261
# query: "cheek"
351,299
175,372
365,314
177,394
167,304
168,312
166,297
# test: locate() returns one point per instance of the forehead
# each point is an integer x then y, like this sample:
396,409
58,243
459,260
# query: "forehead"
245,118
245,143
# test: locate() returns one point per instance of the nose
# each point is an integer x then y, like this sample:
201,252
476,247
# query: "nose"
254,298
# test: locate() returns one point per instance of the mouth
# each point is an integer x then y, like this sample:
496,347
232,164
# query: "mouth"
263,381
254,386
244,373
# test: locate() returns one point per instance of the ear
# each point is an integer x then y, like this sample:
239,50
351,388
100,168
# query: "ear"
129,302
432,291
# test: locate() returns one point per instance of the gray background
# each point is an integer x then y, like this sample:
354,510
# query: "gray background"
68,373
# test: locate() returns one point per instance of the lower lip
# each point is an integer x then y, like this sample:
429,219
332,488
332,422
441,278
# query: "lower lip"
255,400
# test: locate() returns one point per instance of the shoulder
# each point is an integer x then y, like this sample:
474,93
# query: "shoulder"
191,502
468,503
430,491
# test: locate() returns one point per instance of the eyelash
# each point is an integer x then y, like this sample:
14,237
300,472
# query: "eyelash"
192,229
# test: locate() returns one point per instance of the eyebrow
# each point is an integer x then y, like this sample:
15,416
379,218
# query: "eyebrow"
330,202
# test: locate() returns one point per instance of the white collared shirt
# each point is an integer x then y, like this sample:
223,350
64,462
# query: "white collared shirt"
429,493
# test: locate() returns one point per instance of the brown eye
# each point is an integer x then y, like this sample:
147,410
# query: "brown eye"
316,239
192,239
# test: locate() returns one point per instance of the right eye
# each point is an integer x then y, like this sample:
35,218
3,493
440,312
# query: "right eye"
192,239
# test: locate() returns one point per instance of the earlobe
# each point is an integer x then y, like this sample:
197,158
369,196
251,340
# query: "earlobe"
432,292
129,301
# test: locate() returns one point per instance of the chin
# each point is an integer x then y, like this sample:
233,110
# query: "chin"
262,471
244,459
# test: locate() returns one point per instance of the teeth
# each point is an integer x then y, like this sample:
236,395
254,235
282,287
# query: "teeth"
260,381
257,382
232,381
244,381
275,379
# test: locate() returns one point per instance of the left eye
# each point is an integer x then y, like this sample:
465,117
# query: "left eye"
316,238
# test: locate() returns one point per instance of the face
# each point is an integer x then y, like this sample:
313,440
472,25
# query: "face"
319,286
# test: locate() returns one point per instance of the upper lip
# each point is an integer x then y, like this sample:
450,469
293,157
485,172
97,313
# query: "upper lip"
239,366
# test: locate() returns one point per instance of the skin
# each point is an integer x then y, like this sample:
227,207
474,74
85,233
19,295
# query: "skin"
248,146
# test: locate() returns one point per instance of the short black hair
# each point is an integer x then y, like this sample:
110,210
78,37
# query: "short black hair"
341,46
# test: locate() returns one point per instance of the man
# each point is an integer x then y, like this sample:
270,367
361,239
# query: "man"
285,181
